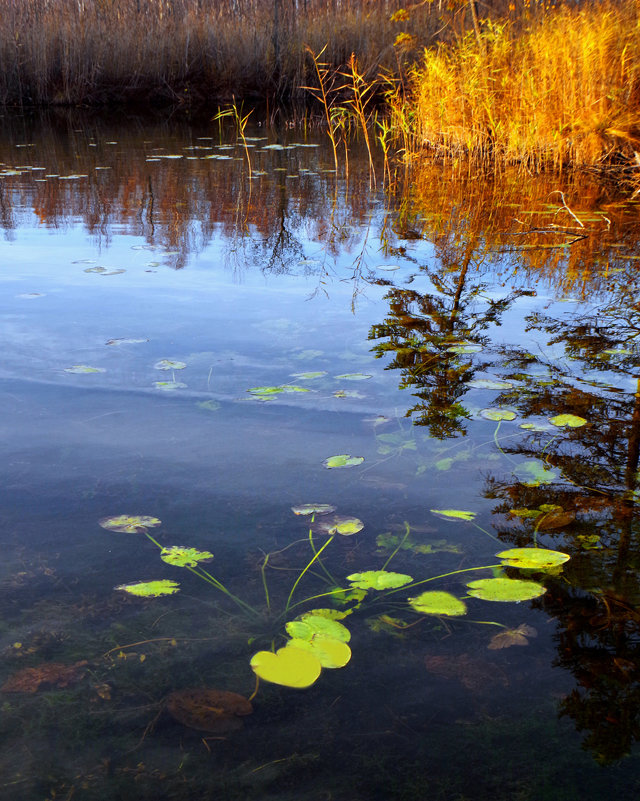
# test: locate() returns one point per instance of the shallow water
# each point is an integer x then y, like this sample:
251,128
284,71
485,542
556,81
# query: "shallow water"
128,244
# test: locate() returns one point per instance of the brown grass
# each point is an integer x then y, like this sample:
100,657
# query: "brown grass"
185,51
561,88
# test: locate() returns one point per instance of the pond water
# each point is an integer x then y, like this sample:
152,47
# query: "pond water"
192,328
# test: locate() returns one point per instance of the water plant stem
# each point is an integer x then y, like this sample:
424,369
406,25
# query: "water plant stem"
316,556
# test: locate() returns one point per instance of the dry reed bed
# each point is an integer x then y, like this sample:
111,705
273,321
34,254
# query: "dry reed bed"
99,51
563,88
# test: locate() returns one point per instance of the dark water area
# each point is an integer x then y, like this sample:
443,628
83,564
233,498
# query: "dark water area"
193,327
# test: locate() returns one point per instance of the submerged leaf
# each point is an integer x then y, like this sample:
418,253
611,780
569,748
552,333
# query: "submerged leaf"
49,674
129,524
505,639
184,557
150,589
289,666
167,364
505,589
343,460
345,526
353,376
208,710
533,558
437,602
379,580
533,473
80,369
489,383
168,386
309,376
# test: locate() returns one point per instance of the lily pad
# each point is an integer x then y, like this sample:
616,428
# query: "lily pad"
129,524
313,509
345,526
453,514
354,376
489,383
533,473
329,652
208,710
464,348
437,602
309,376
568,420
125,341
80,369
497,414
308,625
348,393
289,666
505,589
150,589
184,557
169,386
379,580
167,364
533,558
343,460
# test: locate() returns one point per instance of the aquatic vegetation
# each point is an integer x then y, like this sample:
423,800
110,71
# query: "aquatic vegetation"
150,589
510,637
343,460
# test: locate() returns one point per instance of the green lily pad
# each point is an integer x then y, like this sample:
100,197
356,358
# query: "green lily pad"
505,589
436,602
353,376
129,524
167,364
184,557
533,558
570,420
497,414
289,666
151,589
329,652
265,390
453,514
489,383
343,460
309,376
310,624
313,509
345,526
330,614
379,580
80,369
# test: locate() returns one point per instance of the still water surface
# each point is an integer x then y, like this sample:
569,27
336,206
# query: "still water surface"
188,338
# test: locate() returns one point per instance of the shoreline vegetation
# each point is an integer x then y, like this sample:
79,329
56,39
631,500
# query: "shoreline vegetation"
540,85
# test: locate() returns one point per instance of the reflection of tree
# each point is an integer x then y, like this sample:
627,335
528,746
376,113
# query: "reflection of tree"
428,335
589,511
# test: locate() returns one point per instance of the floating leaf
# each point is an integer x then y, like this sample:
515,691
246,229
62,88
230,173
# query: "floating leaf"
343,460
505,639
535,426
310,624
570,420
555,518
309,376
313,509
208,710
379,580
167,364
129,524
84,368
289,666
184,557
489,383
330,614
353,376
437,602
497,414
169,386
453,514
124,341
533,558
464,348
388,267
330,653
104,270
348,393
150,589
505,589
345,526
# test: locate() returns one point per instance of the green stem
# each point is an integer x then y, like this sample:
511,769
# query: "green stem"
264,581
484,531
400,544
297,581
441,576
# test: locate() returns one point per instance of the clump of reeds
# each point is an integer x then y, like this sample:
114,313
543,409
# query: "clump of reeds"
561,88
184,51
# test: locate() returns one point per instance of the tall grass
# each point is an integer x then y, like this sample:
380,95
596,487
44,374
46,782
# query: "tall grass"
560,88
185,51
